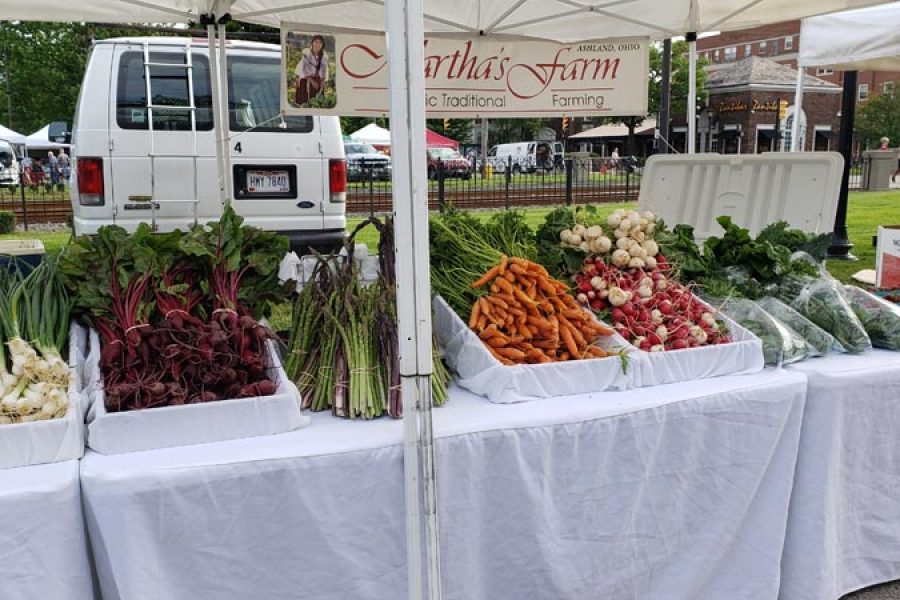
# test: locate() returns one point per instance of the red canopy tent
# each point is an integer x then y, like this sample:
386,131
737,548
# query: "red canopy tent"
436,140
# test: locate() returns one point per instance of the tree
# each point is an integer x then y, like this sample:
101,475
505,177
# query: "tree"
458,129
42,69
351,124
679,88
680,83
504,131
877,117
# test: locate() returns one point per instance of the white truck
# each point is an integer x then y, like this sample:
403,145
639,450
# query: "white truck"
527,157
288,174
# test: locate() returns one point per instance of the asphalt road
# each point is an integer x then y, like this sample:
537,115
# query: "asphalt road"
888,591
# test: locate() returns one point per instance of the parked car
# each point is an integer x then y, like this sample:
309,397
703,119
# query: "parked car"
454,164
288,174
527,157
365,163
9,165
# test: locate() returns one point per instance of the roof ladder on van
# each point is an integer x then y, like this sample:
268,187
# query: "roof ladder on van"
191,109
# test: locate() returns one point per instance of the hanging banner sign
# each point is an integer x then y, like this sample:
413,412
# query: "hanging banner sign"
465,77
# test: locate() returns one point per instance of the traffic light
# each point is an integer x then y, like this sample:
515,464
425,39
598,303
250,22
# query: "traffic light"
446,124
782,109
565,124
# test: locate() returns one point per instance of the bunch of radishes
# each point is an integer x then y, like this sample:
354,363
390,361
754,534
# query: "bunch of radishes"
647,308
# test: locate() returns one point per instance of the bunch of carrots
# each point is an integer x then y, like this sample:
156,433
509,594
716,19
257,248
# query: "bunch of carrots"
528,317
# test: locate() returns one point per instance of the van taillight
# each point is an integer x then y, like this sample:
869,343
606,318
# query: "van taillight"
90,181
337,179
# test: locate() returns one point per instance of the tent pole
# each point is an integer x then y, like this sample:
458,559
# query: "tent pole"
692,95
209,21
224,110
665,97
406,65
796,141
840,244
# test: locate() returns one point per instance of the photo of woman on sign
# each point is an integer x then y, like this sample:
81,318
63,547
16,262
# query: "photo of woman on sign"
310,70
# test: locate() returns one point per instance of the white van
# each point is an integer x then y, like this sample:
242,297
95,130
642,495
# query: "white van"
288,175
9,165
527,157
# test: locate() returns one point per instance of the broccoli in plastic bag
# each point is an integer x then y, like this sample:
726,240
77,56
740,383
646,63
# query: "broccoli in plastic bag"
880,318
822,301
781,345
820,341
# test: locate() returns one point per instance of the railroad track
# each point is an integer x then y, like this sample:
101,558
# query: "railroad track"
40,211
380,201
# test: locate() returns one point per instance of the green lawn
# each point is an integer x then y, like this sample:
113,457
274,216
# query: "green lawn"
867,210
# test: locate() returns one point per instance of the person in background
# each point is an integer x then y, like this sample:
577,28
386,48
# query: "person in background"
311,72
53,167
885,143
64,165
614,158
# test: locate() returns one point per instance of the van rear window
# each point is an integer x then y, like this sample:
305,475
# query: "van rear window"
254,97
169,87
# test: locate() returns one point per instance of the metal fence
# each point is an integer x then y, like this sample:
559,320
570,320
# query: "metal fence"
581,180
860,173
575,180
37,203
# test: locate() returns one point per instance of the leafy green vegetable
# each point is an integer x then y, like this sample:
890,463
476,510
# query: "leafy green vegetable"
823,303
880,318
561,262
817,338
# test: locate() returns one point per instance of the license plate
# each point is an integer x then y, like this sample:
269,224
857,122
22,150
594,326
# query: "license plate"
267,182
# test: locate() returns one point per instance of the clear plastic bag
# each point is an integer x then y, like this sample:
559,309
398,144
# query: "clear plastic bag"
822,301
781,345
880,318
820,342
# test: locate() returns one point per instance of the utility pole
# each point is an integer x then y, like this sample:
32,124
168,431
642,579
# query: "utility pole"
6,76
665,99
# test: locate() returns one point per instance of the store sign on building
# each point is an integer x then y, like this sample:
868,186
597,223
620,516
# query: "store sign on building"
755,106
345,73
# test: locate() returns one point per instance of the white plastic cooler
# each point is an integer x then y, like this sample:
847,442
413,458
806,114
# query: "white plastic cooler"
754,190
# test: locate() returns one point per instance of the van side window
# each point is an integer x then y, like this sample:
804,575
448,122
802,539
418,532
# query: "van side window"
254,96
169,86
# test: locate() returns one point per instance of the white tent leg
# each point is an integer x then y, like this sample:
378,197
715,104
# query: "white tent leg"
692,96
226,120
406,42
796,141
218,130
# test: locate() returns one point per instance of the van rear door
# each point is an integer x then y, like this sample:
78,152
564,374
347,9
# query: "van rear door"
279,171
173,165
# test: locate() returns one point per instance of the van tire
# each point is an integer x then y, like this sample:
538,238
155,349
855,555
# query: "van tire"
517,170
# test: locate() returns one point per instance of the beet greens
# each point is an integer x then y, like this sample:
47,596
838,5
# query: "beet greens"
177,312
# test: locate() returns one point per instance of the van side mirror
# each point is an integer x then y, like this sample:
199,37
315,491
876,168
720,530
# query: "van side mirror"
59,132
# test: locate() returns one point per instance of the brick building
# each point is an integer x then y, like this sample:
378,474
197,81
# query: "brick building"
781,42
743,103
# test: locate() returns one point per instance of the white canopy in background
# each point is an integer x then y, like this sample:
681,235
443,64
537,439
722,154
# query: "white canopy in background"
40,140
372,134
858,40
11,136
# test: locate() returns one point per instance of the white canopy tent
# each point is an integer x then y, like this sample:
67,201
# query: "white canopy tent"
40,140
406,22
856,40
11,136
372,134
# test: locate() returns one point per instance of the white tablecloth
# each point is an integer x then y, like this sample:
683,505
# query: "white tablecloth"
673,492
844,527
43,550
